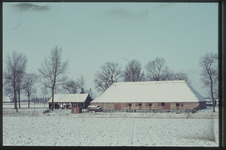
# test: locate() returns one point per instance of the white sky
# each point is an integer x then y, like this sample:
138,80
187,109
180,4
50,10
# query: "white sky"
91,34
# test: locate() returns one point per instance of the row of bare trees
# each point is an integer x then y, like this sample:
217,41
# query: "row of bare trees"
15,70
16,80
156,71
51,75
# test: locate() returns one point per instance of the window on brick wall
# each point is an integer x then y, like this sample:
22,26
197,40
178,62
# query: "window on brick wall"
163,104
177,104
140,104
150,104
182,104
130,104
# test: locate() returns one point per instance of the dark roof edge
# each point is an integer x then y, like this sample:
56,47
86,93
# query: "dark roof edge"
195,92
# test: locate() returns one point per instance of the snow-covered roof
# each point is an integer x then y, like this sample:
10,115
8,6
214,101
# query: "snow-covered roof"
6,99
152,91
69,98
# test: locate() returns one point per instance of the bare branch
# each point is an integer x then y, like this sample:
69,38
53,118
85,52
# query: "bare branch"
71,87
133,72
110,73
182,76
158,71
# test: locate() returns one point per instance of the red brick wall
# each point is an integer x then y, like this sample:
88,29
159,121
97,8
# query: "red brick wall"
155,105
159,104
167,106
117,106
76,110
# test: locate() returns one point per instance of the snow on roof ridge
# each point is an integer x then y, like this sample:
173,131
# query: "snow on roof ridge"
58,97
148,82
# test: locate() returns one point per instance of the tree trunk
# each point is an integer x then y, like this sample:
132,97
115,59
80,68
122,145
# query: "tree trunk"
211,90
43,101
15,97
52,99
28,101
19,97
213,99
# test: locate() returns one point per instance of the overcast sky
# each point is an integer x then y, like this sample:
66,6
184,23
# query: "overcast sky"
91,34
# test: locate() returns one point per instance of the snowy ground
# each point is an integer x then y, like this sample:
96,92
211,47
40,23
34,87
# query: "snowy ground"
31,127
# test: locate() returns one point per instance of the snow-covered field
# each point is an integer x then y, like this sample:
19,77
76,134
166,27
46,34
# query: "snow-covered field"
31,127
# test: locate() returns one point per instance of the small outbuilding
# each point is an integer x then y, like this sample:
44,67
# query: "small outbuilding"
152,95
74,100
6,100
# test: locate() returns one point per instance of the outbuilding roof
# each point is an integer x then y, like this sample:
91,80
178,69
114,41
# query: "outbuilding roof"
69,98
152,91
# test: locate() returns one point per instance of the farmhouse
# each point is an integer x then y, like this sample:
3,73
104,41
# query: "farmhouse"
74,100
150,96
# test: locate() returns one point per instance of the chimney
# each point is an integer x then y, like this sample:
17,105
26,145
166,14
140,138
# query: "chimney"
90,89
82,92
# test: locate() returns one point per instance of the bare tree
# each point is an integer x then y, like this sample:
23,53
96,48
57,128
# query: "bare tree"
158,71
15,66
44,91
209,64
58,89
19,85
71,87
182,76
110,73
51,73
81,82
133,72
29,86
